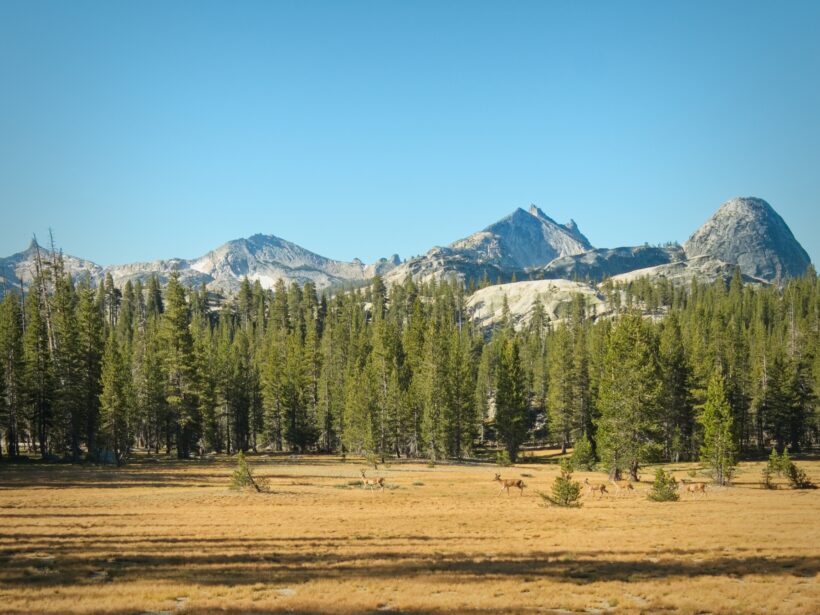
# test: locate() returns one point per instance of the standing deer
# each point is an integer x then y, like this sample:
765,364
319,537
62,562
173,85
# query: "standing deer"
622,485
598,488
506,483
693,488
372,483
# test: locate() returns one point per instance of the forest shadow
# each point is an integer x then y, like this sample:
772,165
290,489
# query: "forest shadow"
287,566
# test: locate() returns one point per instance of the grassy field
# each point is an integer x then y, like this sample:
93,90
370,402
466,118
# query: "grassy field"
171,537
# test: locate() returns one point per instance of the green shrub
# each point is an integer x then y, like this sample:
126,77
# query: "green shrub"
767,483
243,477
664,488
785,462
565,491
582,456
502,458
798,479
774,465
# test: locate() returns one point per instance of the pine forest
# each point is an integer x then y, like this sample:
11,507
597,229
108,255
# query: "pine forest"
96,373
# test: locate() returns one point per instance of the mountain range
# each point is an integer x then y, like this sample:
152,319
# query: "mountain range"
744,232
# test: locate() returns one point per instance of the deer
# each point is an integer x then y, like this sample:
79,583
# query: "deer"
598,488
506,483
693,488
622,485
372,483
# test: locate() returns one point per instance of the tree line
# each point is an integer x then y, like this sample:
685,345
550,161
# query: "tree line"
92,372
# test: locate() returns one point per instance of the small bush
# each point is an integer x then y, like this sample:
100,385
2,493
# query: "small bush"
582,456
502,458
798,479
664,488
565,491
766,481
785,463
243,477
774,466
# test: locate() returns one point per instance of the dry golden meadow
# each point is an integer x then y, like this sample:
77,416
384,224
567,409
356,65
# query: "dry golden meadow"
170,537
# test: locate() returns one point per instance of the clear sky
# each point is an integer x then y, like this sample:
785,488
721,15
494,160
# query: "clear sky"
144,130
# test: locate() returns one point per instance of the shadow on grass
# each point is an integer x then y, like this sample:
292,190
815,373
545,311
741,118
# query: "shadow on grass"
298,560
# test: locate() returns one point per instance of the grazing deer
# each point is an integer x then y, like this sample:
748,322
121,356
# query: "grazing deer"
372,483
506,483
598,488
622,485
693,488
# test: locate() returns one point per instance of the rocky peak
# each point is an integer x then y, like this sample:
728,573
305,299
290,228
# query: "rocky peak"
748,232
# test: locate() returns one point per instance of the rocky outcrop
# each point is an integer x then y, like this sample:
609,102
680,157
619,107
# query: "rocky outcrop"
21,267
597,265
486,305
265,258
681,273
519,242
750,233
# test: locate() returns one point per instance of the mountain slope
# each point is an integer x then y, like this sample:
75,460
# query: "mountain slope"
21,267
750,233
596,265
744,232
265,258
520,241
262,257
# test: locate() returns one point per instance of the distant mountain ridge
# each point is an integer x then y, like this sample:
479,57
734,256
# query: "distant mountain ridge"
745,232
265,258
516,243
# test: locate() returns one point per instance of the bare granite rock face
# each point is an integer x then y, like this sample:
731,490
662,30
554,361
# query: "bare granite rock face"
745,233
597,265
748,232
486,306
520,241
21,267
263,258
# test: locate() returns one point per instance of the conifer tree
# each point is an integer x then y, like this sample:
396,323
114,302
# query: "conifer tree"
115,402
12,394
718,448
561,396
629,398
39,382
678,412
180,369
511,400
91,336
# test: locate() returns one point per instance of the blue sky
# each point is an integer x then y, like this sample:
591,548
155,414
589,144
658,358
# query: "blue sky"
143,130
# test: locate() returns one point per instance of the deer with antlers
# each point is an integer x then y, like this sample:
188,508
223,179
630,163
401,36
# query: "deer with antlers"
598,488
506,483
372,483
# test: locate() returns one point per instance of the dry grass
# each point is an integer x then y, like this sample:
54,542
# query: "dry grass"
171,537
